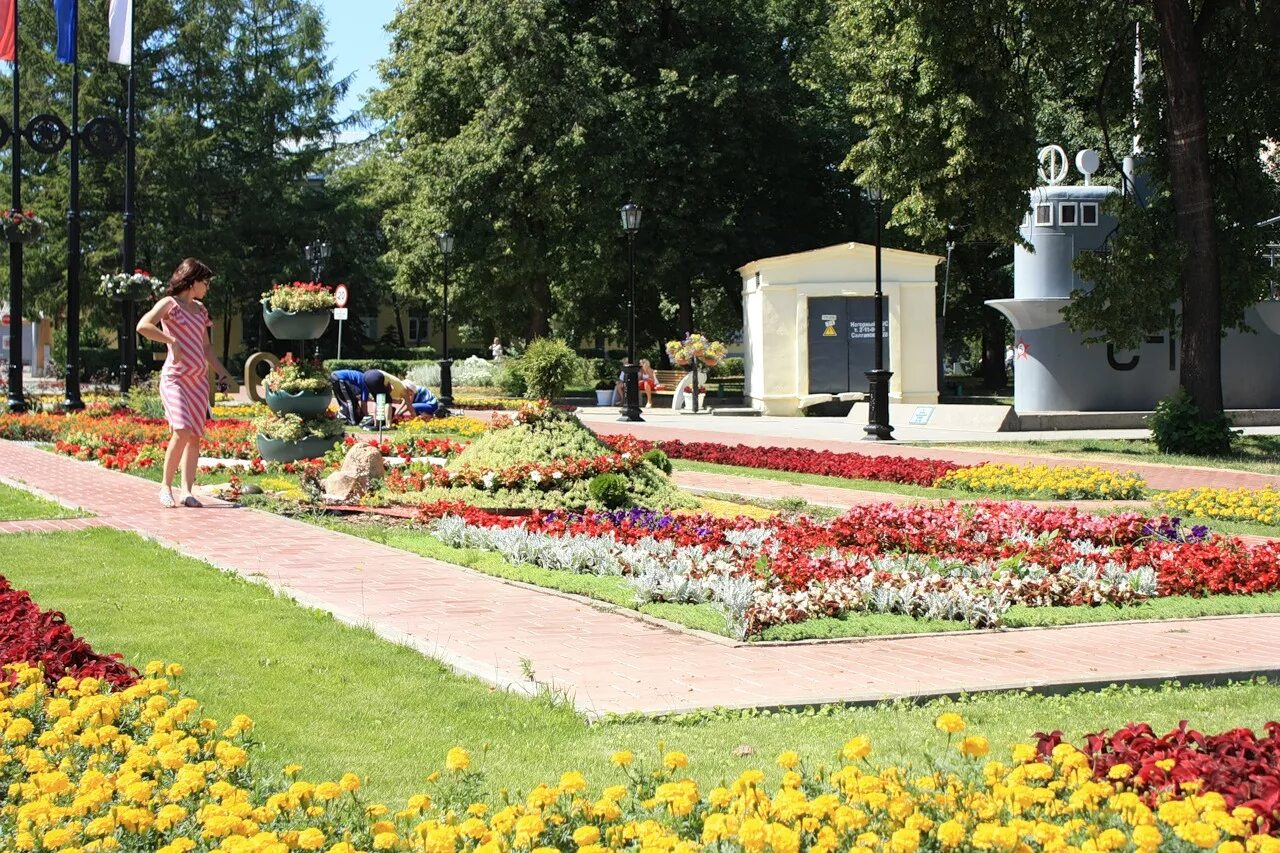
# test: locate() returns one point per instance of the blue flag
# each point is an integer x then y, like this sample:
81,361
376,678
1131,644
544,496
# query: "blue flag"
66,13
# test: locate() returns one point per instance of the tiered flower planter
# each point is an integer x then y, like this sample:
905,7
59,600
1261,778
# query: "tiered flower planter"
300,326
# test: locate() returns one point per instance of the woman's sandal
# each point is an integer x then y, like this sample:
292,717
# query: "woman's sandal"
191,500
166,500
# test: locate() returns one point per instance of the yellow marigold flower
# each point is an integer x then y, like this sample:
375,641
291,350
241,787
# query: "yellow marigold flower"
1231,847
675,760
904,841
572,782
174,670
584,835
55,838
154,667
1120,771
950,722
457,760
385,840
951,834
789,760
1024,752
622,758
349,782
292,769
311,839
342,847
974,746
1165,764
328,791
856,748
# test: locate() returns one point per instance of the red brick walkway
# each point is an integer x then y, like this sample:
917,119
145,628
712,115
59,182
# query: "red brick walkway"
1157,476
610,662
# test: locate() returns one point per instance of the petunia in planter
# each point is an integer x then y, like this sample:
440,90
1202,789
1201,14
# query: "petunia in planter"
137,285
297,388
298,311
288,438
22,226
695,347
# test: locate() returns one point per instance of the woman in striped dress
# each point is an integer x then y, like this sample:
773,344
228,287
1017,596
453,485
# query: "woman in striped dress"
180,320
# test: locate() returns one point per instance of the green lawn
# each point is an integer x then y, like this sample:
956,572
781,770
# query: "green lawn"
336,698
19,504
1257,453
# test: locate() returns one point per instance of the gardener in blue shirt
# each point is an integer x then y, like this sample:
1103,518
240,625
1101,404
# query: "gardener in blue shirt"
351,392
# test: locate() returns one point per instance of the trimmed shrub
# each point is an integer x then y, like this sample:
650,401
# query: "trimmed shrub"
1176,427
608,490
549,366
508,377
473,372
659,460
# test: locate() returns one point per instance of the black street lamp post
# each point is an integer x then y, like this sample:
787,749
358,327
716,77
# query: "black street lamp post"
631,370
878,428
317,253
317,256
445,241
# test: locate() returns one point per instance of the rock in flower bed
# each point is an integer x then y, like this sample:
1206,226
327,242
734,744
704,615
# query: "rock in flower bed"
965,563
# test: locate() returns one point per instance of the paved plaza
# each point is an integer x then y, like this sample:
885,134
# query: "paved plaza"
612,660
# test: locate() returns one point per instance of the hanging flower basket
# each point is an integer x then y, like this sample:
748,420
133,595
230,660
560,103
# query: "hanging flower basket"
696,346
22,226
137,285
299,311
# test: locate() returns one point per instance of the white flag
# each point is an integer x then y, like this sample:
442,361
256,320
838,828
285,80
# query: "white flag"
120,20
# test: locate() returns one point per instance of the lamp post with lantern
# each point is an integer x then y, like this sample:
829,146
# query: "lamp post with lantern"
878,428
631,370
444,240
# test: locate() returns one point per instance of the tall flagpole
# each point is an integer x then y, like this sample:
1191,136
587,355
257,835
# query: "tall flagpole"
16,401
129,338
73,400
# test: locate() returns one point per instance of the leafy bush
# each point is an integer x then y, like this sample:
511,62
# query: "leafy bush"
549,365
394,366
659,460
1176,427
608,490
509,377
144,399
728,367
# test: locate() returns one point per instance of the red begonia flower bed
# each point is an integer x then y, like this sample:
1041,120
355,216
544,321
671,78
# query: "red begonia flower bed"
43,637
849,466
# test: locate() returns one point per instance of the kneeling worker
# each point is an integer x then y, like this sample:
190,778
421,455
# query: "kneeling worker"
351,392
406,398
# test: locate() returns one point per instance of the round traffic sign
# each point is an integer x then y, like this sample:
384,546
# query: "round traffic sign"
340,296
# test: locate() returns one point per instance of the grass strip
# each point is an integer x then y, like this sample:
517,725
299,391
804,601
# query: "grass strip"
20,505
336,698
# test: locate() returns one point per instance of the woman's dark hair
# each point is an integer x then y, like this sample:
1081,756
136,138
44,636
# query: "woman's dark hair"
187,274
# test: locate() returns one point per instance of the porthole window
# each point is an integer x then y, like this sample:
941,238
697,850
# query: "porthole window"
1044,214
1088,213
1067,213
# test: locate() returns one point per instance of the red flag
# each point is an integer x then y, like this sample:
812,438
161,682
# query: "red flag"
8,29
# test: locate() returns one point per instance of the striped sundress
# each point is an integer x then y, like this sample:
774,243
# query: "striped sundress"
184,385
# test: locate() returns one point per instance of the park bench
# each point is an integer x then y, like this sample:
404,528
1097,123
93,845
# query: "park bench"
719,386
